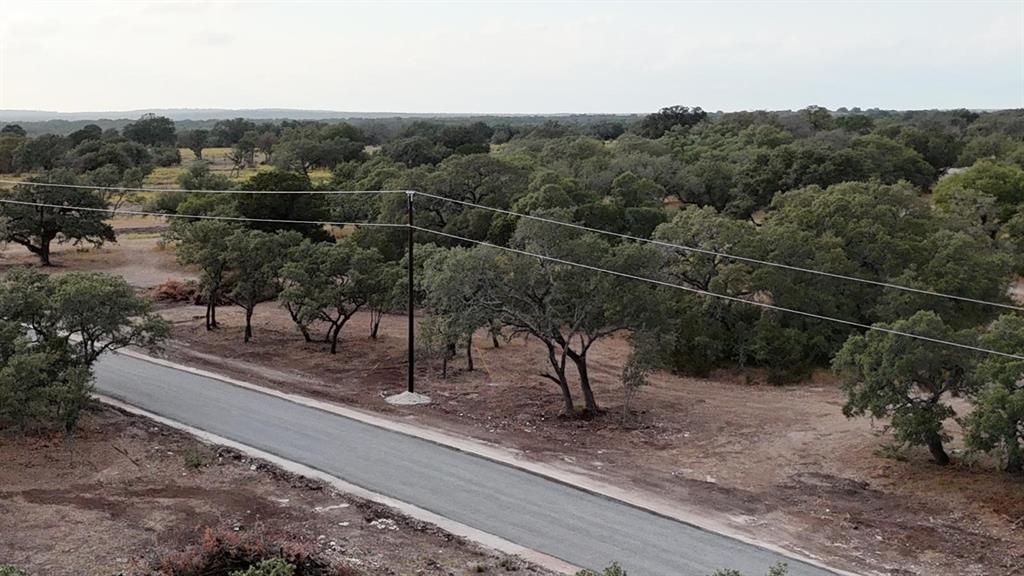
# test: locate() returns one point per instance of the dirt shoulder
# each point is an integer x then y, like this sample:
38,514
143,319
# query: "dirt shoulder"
127,490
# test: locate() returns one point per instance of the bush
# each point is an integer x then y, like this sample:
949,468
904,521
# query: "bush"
272,567
238,554
613,570
8,570
166,156
165,202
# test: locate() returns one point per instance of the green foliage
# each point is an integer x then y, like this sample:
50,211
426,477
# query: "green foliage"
52,330
203,243
272,567
657,124
7,569
997,422
151,130
1004,182
194,140
301,207
613,569
36,227
329,283
252,261
907,380
780,569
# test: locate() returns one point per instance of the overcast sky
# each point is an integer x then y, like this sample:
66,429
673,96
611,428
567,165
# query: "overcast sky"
510,57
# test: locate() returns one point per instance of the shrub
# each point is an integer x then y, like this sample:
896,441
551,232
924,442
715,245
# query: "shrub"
8,570
237,554
272,567
166,156
612,570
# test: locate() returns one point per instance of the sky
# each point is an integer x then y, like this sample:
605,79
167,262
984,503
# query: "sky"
514,57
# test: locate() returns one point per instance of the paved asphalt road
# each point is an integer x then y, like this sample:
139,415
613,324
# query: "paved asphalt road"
578,527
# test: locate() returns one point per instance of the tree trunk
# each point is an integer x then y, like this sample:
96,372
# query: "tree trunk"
375,318
213,312
469,353
494,330
209,317
559,367
580,360
1014,460
335,331
248,324
938,452
44,253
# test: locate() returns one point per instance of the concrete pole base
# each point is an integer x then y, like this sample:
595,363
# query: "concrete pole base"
407,399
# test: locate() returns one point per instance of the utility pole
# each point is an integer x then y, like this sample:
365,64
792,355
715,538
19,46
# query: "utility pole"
412,328
410,397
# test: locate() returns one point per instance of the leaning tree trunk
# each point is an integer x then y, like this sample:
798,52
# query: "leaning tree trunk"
938,451
559,378
580,360
469,353
335,332
375,318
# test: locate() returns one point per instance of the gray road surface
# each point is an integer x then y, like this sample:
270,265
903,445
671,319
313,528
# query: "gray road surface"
576,526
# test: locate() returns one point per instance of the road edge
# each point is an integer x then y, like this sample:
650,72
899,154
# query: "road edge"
508,457
474,535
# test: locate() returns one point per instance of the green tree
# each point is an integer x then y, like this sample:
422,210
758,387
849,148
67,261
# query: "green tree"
41,153
203,243
996,424
657,124
455,283
36,227
568,309
194,140
53,329
308,208
1002,181
14,129
386,293
253,263
151,130
908,380
85,134
329,283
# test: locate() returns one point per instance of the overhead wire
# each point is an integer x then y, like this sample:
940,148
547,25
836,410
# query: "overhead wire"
706,251
654,281
143,189
114,211
722,296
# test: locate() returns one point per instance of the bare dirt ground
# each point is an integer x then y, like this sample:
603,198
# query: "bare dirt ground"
779,463
125,491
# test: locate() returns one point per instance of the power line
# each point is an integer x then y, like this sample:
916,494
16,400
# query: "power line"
542,257
730,256
201,216
724,296
132,189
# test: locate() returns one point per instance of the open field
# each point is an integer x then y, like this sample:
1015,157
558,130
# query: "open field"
167,176
126,491
778,463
